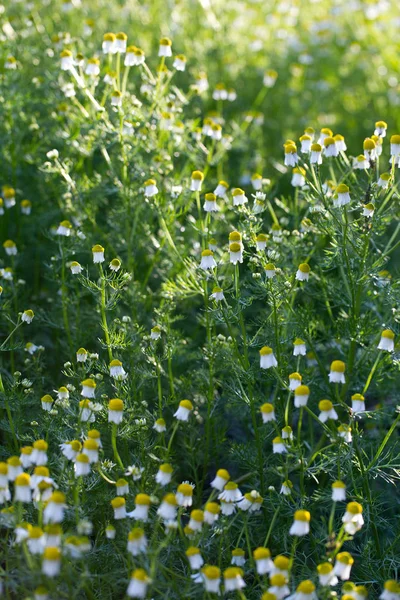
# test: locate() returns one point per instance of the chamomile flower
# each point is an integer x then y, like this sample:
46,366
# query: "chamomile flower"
138,584
116,98
184,410
14,468
179,62
64,229
316,154
211,513
326,575
287,433
40,474
217,294
93,67
340,142
324,133
291,156
261,241
115,411
342,195
196,181
119,506
137,541
71,449
233,579
168,508
26,456
51,563
360,162
110,532
256,182
267,358
344,431
55,508
380,129
294,381
352,518
357,403
235,253
207,260
30,347
26,207
98,254
391,590
298,177
278,586
239,197
67,60
306,143
164,474
10,248
305,591
301,395
220,480
82,465
368,210
27,316
230,493
278,446
270,271
369,147
160,426
251,502
108,45
194,557
221,189
270,78
338,491
301,523
88,388
75,267
286,488
267,412
53,533
165,48
330,147
395,146
211,579
150,188
303,272
91,449
210,203
299,347
342,567
39,453
326,411
196,520
336,374
387,340
22,489
184,494
120,42
238,557
262,558
142,507
86,411
384,180
117,370
9,197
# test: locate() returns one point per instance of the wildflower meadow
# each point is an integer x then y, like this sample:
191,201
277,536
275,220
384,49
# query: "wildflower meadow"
200,300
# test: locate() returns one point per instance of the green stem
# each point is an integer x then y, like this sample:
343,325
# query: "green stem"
114,445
